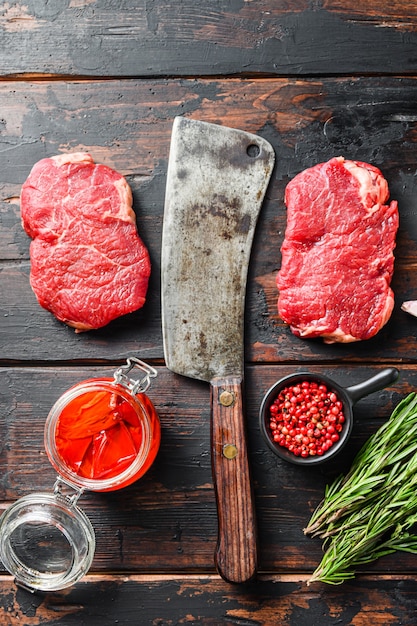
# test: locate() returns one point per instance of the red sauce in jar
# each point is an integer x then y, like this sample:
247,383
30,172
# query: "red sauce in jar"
102,430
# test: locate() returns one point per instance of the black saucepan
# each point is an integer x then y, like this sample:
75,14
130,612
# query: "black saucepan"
347,395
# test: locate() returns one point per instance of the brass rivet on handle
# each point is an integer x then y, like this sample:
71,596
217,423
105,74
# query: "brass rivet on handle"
226,398
229,451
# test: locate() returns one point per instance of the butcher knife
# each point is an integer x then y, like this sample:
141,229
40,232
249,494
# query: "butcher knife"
216,181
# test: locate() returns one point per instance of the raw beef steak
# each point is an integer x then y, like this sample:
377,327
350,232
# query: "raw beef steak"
337,254
88,264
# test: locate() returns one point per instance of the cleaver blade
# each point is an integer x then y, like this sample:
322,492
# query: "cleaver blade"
216,182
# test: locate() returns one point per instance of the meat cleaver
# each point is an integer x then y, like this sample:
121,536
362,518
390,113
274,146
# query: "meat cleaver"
216,181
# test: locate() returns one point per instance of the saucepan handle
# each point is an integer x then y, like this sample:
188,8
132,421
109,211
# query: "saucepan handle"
381,380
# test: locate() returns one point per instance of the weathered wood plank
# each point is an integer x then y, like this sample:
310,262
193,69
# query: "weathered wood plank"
127,125
167,520
207,600
229,37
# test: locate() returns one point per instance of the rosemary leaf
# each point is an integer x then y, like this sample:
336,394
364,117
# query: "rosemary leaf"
372,510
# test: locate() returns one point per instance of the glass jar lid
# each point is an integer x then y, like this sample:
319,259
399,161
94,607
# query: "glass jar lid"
46,541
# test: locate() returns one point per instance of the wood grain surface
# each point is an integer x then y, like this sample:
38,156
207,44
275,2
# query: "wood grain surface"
315,78
127,124
193,37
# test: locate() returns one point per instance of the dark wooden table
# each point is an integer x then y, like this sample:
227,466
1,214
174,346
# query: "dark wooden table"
317,79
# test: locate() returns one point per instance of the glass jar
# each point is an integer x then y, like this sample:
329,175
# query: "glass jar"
101,435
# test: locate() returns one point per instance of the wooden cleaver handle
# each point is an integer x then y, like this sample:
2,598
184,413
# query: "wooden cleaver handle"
236,552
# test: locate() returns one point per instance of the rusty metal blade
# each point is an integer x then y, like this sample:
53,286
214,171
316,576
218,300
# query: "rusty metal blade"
216,182
217,178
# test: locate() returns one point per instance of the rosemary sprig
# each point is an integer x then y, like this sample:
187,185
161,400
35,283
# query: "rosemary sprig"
371,510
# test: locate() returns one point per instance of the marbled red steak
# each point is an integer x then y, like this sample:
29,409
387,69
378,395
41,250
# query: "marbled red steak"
337,254
88,264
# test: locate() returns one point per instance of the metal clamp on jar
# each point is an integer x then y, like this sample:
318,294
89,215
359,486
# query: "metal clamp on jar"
101,435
